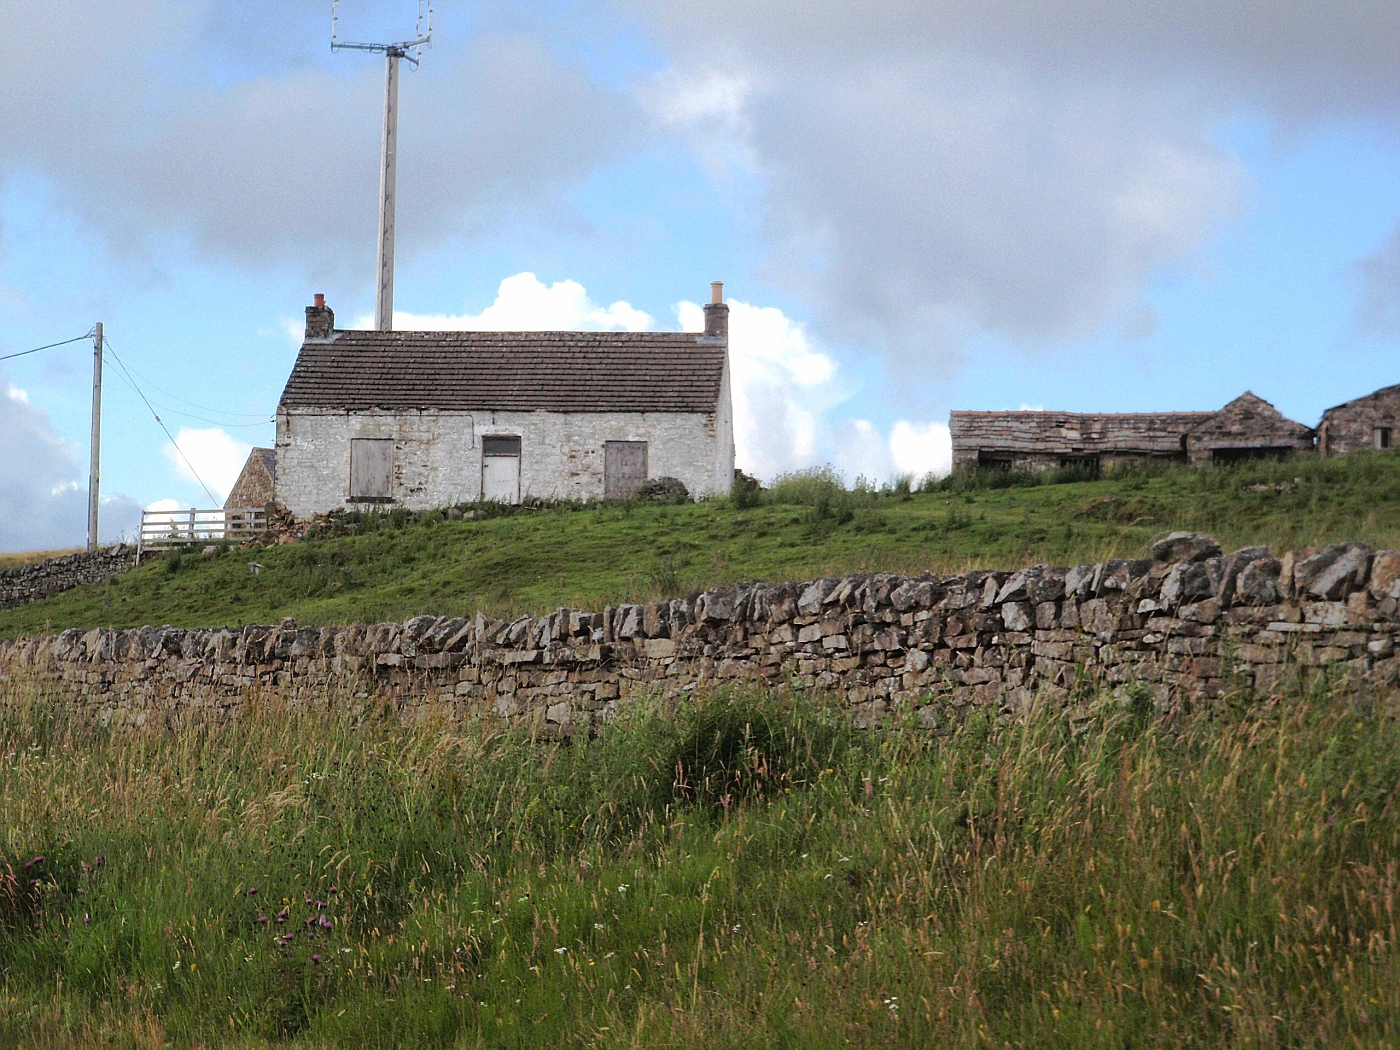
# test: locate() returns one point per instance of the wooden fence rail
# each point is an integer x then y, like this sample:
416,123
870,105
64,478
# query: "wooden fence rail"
163,530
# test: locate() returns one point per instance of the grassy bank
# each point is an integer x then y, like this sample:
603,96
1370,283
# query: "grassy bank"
536,560
743,875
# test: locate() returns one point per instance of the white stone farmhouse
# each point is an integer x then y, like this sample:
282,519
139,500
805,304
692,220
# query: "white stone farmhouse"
429,419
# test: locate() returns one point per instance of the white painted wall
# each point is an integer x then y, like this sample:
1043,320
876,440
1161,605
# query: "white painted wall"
437,455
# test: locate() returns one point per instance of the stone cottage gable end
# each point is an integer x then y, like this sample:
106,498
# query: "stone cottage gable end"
427,419
1245,428
1370,422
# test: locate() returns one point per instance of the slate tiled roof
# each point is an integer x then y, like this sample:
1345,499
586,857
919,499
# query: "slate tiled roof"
1068,433
509,371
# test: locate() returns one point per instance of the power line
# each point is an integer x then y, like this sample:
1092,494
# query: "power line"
50,346
262,418
132,383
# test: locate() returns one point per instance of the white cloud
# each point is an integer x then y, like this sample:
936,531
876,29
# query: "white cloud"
165,505
919,449
43,491
524,303
780,384
216,458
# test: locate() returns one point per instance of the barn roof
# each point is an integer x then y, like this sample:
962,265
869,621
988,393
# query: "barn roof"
508,371
1383,392
1068,433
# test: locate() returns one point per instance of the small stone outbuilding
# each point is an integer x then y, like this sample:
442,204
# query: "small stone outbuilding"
1370,422
257,484
1247,428
430,419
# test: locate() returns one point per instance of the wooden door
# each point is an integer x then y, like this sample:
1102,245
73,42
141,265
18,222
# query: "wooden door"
624,468
500,469
371,468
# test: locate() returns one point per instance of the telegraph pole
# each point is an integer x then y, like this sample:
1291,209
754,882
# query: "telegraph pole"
94,466
384,291
411,50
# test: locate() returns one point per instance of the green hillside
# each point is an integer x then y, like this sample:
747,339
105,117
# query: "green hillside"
386,568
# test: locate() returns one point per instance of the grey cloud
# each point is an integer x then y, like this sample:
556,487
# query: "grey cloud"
937,169
41,507
150,133
1378,276
1307,53
932,200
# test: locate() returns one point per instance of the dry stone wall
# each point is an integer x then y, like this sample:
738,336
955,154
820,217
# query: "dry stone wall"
1184,623
30,583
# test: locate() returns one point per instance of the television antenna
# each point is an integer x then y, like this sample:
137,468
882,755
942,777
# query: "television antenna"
412,51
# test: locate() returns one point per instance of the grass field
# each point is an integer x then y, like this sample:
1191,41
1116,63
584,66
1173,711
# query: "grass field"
741,875
537,560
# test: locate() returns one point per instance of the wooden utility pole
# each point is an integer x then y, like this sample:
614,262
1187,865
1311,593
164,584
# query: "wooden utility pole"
393,53
94,467
384,291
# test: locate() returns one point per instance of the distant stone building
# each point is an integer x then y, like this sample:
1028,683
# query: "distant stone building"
1246,428
257,484
428,419
1370,422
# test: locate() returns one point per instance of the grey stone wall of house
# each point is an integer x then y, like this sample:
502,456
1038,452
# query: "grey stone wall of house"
1371,422
1186,624
42,579
437,456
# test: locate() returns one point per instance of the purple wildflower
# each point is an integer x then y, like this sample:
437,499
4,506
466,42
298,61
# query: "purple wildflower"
252,891
87,919
326,923
334,890
282,915
262,920
316,959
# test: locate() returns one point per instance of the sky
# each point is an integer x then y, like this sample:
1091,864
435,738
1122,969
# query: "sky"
915,206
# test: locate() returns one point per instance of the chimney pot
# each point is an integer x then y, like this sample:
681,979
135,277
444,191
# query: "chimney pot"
320,319
717,313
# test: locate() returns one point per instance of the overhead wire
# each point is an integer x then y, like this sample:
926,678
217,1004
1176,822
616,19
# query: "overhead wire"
261,417
126,375
50,346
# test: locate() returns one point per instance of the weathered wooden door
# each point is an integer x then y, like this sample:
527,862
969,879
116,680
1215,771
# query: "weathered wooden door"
371,468
624,468
500,469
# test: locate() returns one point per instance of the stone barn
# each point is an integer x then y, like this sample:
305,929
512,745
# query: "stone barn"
1247,428
1370,422
429,419
257,483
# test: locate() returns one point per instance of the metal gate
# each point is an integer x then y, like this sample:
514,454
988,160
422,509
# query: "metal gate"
624,468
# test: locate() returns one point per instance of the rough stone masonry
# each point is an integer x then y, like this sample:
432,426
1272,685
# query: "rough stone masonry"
31,583
1184,623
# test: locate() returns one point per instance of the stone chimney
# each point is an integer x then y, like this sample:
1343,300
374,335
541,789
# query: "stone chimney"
717,313
320,319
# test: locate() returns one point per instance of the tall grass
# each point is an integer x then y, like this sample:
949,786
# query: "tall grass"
739,872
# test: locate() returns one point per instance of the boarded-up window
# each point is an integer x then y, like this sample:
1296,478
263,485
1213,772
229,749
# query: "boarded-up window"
500,469
624,468
371,468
